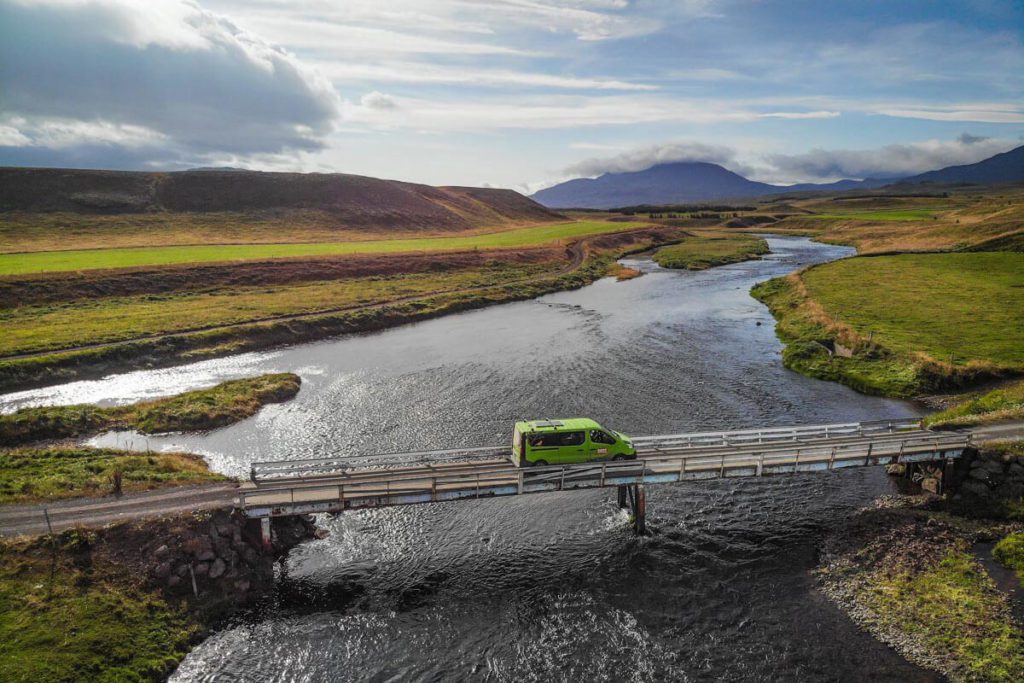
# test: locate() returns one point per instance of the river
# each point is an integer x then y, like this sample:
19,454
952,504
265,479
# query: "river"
549,586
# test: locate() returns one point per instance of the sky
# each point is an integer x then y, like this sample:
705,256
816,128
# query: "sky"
511,93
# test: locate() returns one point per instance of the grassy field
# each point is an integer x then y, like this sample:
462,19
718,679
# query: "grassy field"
973,218
1005,403
69,614
890,215
700,252
966,306
32,475
110,319
916,323
217,406
74,260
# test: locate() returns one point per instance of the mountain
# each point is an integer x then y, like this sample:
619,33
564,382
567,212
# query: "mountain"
1007,167
351,200
673,183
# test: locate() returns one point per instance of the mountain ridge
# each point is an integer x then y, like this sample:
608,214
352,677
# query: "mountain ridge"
683,182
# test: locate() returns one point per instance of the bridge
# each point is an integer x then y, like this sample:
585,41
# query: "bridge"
334,485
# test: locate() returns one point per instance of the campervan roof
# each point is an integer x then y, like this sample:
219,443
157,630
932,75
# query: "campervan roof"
571,424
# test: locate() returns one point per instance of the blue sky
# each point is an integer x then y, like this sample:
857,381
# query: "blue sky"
512,93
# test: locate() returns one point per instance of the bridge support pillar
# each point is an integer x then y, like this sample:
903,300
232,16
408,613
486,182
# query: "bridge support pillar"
634,498
639,510
265,533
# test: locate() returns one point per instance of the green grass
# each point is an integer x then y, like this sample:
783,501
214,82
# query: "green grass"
217,406
30,475
954,608
891,215
99,320
63,261
968,307
1006,403
61,620
699,253
1010,553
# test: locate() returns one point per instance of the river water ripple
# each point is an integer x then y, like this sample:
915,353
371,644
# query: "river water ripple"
546,587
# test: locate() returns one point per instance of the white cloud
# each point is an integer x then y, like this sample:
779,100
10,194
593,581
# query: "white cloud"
412,72
378,100
888,161
652,155
145,74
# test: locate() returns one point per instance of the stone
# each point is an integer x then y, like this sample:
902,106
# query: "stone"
1015,470
224,527
181,570
162,551
242,586
217,569
162,570
173,581
206,556
202,569
975,488
250,555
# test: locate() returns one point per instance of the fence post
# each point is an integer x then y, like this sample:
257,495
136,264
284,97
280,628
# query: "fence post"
49,527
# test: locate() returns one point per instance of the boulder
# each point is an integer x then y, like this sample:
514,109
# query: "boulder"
975,488
162,570
206,555
217,569
202,569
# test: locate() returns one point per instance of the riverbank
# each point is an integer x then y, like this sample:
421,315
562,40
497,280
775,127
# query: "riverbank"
590,259
127,602
912,569
203,409
904,325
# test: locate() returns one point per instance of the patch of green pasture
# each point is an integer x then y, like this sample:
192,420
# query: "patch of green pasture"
968,307
89,259
700,253
883,215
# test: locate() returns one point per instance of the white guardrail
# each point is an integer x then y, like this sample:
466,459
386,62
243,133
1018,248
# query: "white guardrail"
269,470
780,451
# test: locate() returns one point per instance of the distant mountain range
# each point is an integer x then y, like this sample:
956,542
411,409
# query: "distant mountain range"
696,181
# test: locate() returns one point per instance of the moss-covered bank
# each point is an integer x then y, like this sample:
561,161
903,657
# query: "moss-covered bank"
126,603
31,475
217,406
909,576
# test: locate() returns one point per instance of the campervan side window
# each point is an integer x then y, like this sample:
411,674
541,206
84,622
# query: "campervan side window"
601,436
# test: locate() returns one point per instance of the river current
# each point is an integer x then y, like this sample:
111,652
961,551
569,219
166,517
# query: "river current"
555,586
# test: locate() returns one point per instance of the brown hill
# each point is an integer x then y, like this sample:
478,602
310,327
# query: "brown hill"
353,200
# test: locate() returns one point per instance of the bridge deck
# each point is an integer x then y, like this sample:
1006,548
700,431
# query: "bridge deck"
334,485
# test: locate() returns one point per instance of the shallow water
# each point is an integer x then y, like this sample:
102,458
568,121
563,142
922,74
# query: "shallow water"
549,586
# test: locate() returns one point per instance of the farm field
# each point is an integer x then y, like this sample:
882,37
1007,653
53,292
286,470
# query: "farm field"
969,219
74,260
966,306
108,319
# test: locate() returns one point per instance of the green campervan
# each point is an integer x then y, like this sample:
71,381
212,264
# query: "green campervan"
561,442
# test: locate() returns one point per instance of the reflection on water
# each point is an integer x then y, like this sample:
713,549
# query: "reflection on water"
552,586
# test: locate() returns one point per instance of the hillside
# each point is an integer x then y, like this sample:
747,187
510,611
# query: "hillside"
673,183
1007,167
355,201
